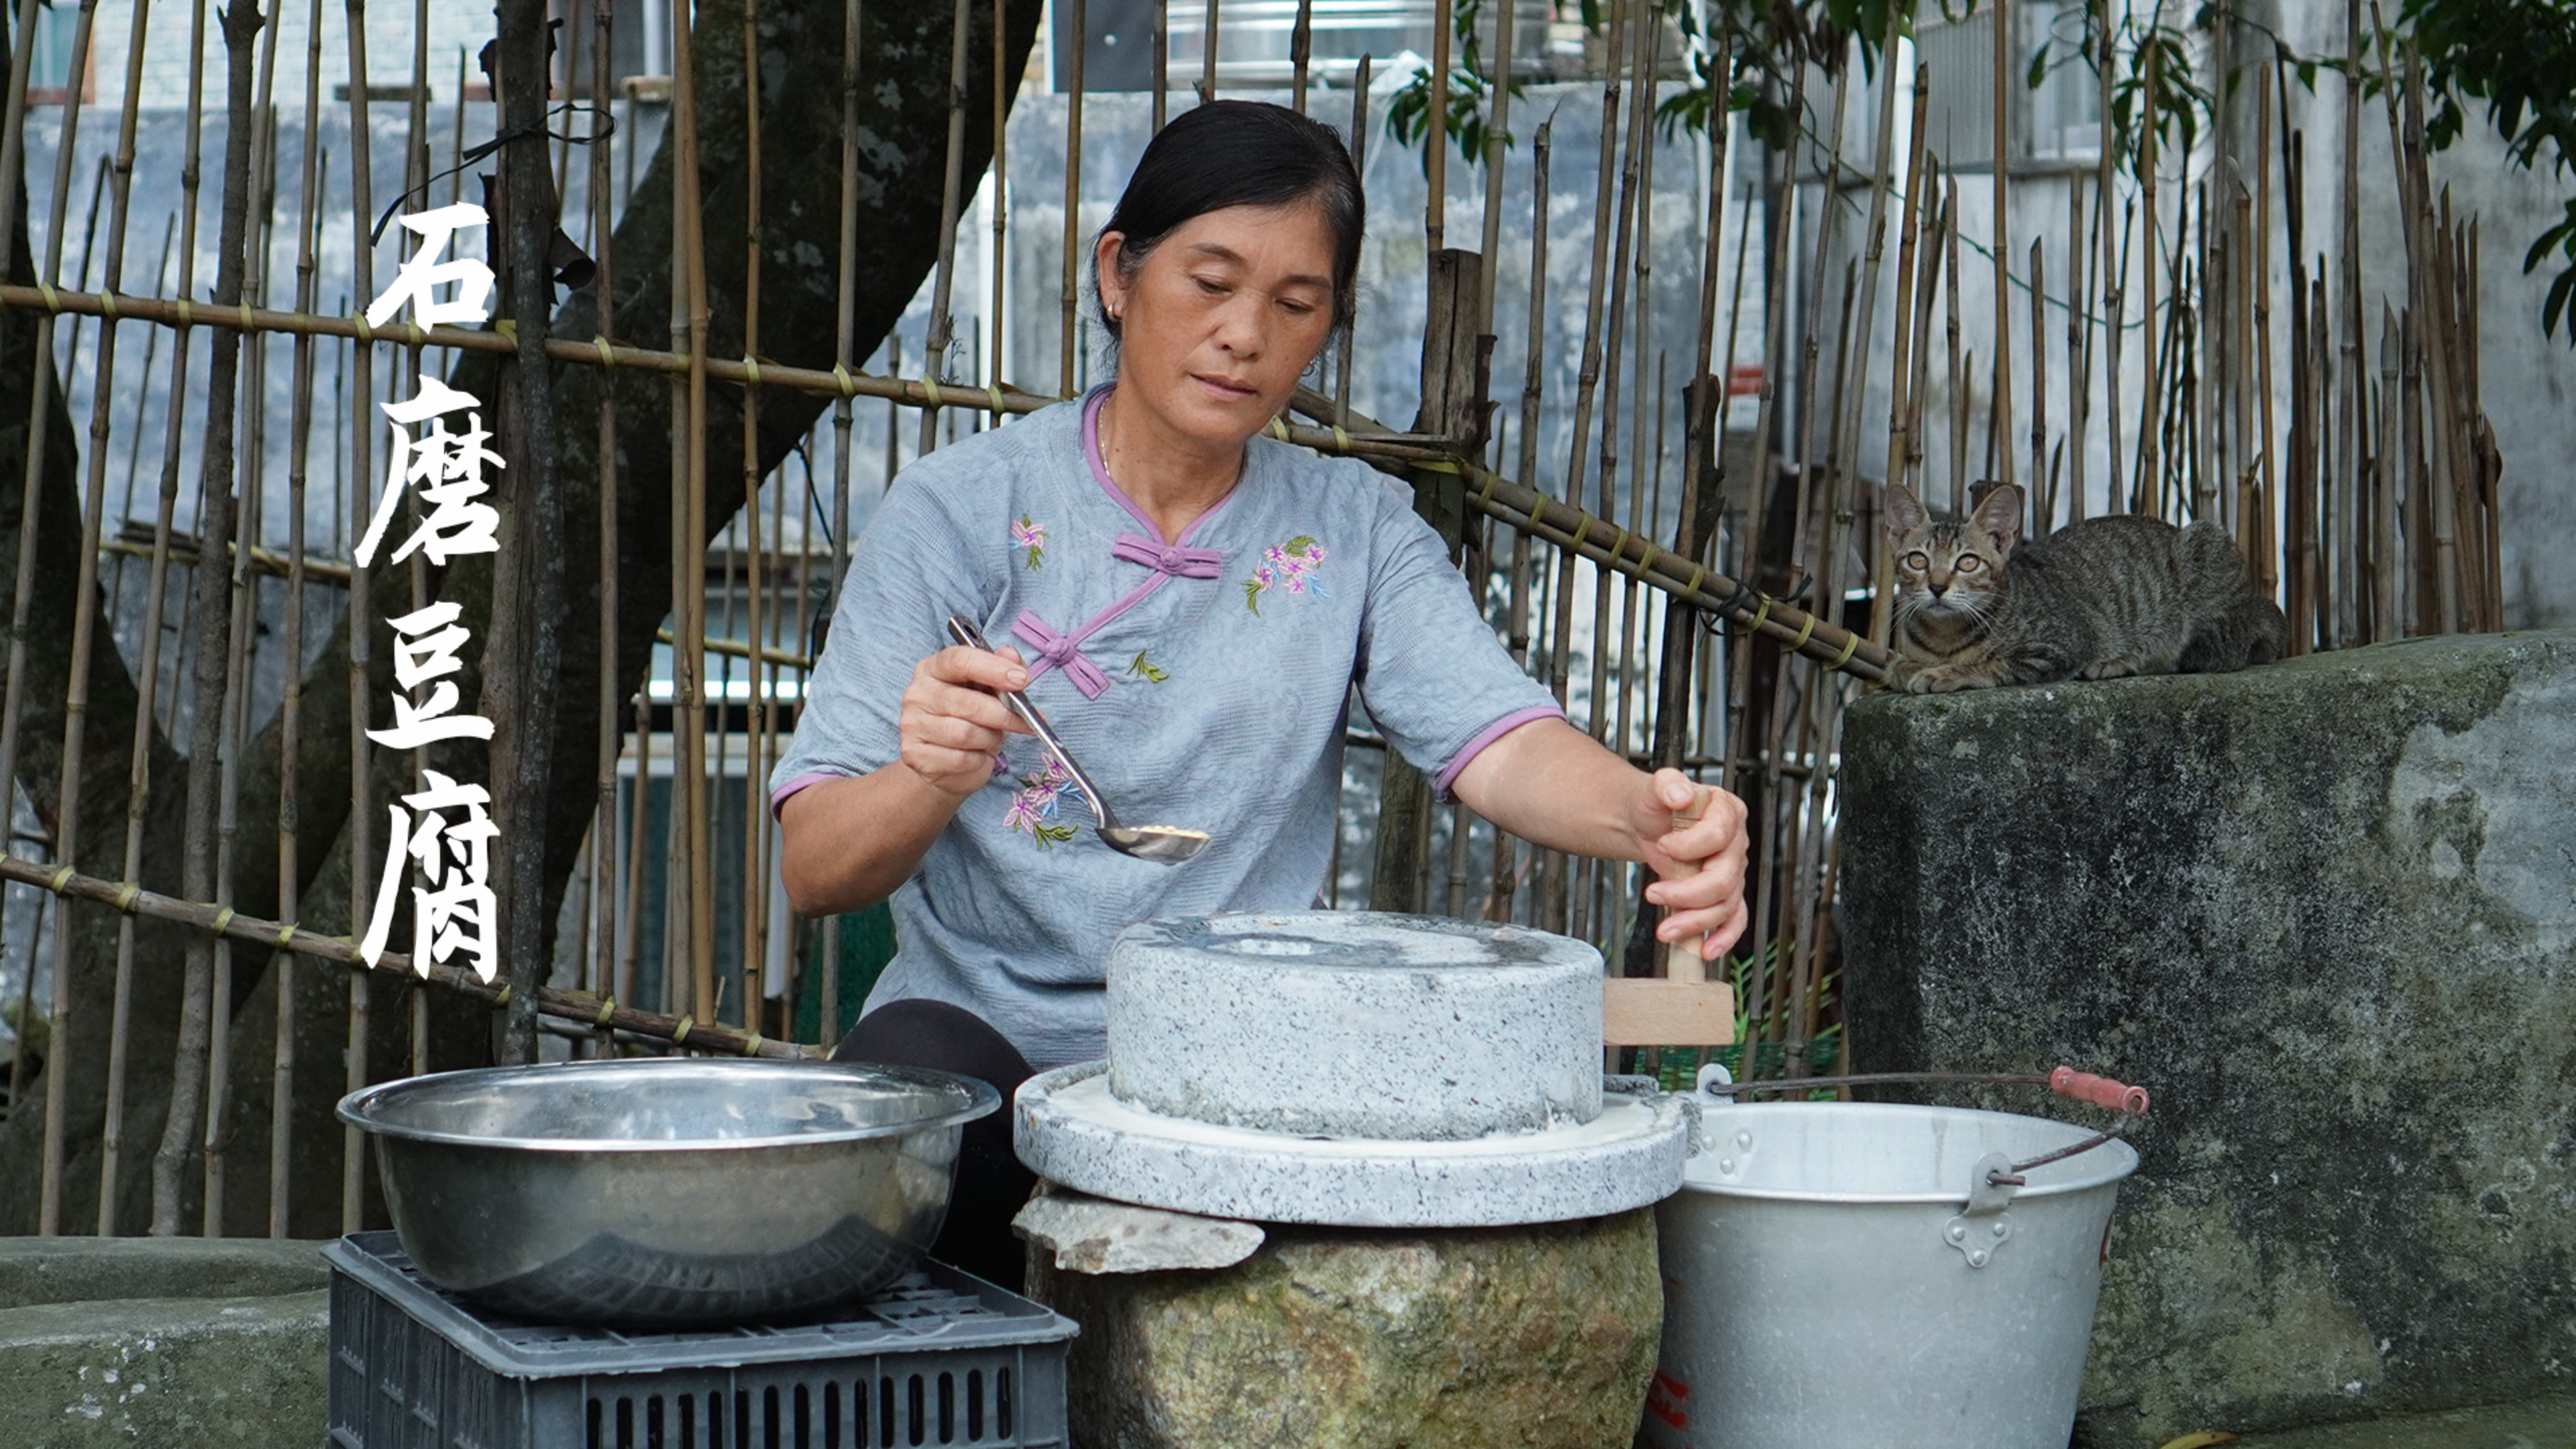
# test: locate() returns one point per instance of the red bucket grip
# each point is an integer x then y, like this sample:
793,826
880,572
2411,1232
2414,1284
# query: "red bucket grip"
2100,1091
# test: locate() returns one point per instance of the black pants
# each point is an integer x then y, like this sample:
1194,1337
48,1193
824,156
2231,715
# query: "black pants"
991,1184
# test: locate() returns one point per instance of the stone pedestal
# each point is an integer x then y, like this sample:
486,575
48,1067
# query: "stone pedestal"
1537,1337
2326,911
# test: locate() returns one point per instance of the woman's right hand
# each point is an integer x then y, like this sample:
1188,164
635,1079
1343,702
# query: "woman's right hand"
952,724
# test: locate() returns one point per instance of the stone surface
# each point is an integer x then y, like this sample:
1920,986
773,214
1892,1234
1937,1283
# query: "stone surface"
1069,1128
1086,1234
2542,1423
1538,1338
73,1270
160,1342
1345,1024
2326,910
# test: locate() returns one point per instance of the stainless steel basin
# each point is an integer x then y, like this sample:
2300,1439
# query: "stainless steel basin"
668,1191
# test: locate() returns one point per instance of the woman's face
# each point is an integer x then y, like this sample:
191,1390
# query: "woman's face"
1223,317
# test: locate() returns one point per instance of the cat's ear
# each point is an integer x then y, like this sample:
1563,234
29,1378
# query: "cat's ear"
1998,516
1904,511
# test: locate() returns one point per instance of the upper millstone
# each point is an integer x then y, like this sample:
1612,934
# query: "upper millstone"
1331,1024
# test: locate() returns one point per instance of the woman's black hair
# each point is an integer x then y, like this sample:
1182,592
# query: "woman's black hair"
1240,153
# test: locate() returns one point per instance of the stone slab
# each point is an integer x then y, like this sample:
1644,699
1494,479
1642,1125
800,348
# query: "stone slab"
2326,911
1355,1024
73,1270
1533,1337
1085,1234
247,1371
1069,1128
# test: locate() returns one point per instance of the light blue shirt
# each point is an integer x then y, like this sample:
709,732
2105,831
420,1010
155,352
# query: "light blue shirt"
1204,685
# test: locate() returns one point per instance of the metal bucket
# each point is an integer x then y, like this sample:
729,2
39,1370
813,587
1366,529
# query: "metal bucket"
1843,1274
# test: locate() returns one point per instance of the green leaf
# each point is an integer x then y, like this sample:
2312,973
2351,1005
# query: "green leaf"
2556,306
2039,64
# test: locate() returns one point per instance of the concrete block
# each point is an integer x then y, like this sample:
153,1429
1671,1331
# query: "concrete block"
2326,910
162,1341
199,1372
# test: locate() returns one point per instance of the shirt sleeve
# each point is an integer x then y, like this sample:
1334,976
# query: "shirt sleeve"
909,571
1436,680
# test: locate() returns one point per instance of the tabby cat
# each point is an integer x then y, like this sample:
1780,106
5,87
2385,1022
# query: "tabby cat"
2097,599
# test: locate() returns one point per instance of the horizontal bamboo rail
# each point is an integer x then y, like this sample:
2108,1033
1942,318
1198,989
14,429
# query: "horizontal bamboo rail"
583,1007
748,372
1493,495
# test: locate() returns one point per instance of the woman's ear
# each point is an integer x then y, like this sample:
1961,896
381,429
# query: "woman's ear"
1105,274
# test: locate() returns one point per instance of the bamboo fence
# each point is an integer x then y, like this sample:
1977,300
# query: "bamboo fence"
1733,611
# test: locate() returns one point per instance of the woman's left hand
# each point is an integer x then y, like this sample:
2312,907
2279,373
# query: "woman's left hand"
1702,863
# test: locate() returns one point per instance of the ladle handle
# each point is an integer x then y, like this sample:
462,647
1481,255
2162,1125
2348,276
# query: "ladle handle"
963,630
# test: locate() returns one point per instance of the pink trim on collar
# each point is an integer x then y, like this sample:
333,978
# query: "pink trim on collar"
1100,474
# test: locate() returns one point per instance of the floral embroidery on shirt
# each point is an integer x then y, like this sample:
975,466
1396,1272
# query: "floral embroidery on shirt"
1033,810
1292,563
1144,669
1033,537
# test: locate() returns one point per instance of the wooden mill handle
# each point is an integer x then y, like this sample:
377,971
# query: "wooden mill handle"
1682,958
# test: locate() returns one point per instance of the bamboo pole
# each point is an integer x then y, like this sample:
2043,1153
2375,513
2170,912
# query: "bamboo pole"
1899,430
2079,352
1534,356
755,892
1435,152
696,875
394,966
1207,54
360,402
1069,293
1162,59
2003,421
999,178
2386,598
943,325
604,821
1301,50
1387,443
138,779
2043,500
2112,279
1958,381
242,662
2143,484
1556,898
1497,124
2267,576
1776,262
1359,167
40,413
213,622
1844,477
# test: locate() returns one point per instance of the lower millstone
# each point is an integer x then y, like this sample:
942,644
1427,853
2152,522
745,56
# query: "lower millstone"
1540,1336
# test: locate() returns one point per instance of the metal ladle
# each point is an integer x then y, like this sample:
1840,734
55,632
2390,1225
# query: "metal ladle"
1161,844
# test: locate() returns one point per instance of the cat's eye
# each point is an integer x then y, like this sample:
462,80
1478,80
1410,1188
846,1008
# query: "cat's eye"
1916,560
1968,563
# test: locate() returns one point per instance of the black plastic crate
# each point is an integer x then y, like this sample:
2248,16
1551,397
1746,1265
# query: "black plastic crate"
940,1357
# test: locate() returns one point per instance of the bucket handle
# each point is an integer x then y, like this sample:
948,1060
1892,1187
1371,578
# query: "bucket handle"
2099,1091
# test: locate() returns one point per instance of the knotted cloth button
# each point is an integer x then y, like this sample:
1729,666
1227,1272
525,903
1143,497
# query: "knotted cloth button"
1187,563
1061,651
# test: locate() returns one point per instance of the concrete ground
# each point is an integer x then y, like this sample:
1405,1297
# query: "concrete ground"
2545,1423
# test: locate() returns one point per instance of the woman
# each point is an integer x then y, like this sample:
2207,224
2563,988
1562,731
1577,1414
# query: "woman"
1190,603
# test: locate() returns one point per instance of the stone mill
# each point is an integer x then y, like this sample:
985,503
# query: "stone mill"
1351,1179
